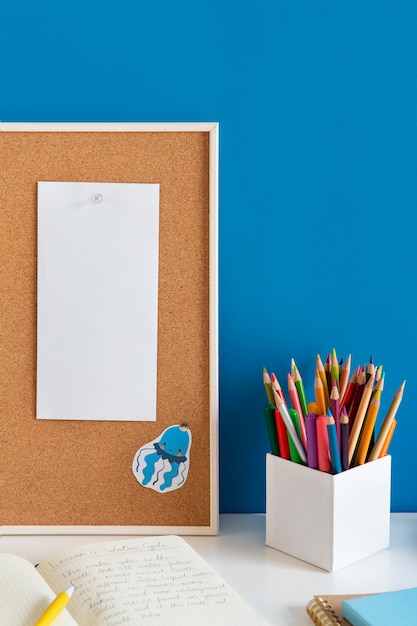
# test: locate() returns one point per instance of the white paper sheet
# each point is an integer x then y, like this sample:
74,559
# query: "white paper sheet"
97,301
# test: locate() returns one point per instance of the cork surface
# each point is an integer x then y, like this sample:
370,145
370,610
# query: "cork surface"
79,473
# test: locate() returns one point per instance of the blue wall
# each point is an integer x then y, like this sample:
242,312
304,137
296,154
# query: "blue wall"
317,107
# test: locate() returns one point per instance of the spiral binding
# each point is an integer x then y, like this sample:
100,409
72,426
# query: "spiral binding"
322,613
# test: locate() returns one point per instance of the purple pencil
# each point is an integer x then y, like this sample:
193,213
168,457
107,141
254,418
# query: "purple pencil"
311,434
344,439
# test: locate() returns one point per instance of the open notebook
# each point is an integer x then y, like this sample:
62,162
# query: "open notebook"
152,581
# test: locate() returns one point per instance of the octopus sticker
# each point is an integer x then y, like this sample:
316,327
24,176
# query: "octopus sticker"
163,463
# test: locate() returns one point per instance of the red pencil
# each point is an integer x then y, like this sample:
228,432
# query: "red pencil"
354,405
347,396
284,446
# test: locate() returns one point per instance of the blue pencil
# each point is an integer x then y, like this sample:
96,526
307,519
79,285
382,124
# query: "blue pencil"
333,444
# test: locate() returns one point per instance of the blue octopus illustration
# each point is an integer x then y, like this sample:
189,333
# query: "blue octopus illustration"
162,464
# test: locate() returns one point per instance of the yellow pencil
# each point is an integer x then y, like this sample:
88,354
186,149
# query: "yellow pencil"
55,608
360,416
386,424
368,428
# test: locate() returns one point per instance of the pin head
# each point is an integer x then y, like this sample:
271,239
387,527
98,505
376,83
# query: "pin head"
96,198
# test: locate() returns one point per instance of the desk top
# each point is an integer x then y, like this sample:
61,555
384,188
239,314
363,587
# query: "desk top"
276,585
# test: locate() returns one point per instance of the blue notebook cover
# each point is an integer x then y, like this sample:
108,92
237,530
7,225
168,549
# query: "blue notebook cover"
383,609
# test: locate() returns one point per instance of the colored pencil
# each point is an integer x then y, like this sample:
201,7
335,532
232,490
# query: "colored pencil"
344,377
323,452
335,409
276,386
319,393
268,386
368,428
290,427
384,449
333,444
360,416
296,404
284,446
334,369
269,412
356,399
370,369
312,460
386,424
299,385
345,400
294,455
344,439
321,372
327,371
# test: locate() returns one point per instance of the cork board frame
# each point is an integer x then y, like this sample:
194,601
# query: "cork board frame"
76,477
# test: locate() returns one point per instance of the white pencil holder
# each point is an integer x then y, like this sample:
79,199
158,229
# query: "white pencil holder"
328,520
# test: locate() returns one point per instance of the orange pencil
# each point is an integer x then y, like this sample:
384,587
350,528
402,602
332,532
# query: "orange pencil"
388,438
344,377
386,424
321,372
368,428
360,416
319,393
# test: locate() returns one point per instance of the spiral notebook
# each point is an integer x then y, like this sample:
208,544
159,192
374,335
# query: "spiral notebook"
382,609
327,610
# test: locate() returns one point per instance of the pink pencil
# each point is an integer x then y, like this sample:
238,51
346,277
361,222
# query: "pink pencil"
323,450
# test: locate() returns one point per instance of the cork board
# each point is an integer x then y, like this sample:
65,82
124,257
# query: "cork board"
70,476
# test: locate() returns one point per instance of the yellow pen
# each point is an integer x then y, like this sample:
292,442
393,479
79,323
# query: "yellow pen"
55,608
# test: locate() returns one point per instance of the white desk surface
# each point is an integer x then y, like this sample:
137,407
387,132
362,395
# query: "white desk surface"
276,585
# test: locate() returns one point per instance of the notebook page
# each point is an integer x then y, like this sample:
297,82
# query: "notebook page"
24,595
152,581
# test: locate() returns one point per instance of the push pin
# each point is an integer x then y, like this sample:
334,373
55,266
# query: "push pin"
97,198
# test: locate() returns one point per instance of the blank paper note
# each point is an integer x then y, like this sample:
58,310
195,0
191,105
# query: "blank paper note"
97,301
